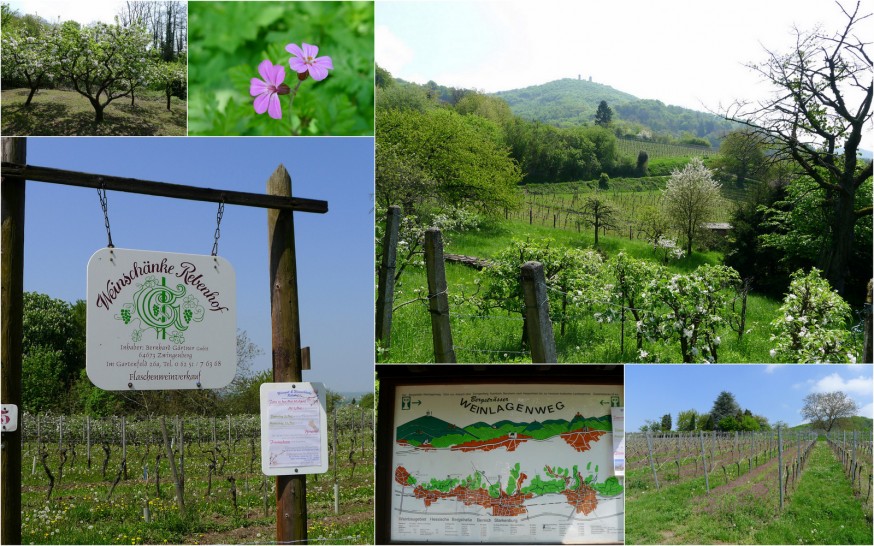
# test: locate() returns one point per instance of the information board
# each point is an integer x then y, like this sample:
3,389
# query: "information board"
160,320
294,429
505,463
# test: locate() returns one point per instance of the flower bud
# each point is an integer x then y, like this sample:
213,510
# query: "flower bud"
303,75
283,89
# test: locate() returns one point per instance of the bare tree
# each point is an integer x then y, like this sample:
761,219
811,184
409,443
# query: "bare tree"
822,409
599,214
822,101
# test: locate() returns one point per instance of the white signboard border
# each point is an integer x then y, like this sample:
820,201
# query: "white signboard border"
318,389
184,369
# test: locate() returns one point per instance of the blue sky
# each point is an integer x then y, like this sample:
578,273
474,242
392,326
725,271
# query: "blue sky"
64,227
775,391
684,52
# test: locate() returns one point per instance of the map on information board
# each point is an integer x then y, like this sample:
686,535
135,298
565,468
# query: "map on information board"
505,463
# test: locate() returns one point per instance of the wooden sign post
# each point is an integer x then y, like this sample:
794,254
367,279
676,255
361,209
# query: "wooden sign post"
291,524
12,319
291,491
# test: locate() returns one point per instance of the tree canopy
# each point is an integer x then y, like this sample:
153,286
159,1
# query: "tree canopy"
823,409
816,116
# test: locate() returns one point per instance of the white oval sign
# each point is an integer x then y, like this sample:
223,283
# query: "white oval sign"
160,320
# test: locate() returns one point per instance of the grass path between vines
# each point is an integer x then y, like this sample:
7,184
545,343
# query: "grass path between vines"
822,510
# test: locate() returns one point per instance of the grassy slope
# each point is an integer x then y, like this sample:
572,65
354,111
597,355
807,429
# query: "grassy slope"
64,113
821,510
585,341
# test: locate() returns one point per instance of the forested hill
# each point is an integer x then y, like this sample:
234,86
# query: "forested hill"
570,102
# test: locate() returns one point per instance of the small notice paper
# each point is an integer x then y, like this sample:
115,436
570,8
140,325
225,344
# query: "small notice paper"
294,429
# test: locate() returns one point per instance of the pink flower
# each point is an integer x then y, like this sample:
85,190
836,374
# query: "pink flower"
305,60
266,91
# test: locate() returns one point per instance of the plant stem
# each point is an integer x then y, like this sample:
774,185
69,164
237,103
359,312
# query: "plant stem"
290,103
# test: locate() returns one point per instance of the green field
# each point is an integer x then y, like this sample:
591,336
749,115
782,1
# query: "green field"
66,113
821,509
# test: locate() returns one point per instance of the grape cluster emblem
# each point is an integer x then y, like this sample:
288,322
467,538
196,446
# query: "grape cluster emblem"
159,307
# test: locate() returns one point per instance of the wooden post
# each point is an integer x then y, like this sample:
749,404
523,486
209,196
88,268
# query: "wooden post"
868,352
88,438
540,336
124,445
651,461
385,297
704,461
291,508
780,462
336,454
11,330
177,482
438,301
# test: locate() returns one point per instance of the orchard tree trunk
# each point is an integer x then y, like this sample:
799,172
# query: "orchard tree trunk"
30,96
835,257
169,94
98,110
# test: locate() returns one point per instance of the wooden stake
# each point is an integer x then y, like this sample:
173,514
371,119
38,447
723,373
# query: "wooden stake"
291,511
386,289
540,335
438,301
11,319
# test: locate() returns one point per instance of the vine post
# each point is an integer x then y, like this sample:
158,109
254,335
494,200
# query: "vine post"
651,461
704,461
780,462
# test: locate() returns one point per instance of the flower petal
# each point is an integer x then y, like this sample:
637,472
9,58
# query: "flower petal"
261,102
278,75
318,72
298,65
295,50
310,50
274,109
264,69
257,87
324,61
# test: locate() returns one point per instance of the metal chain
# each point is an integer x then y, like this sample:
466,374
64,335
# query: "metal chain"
104,204
218,224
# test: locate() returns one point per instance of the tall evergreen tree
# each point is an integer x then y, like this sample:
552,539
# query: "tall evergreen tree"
724,406
604,115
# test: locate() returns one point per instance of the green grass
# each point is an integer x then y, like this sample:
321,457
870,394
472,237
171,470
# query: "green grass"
64,113
821,510
79,512
498,339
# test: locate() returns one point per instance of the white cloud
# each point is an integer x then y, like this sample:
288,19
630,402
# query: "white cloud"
771,368
834,382
391,52
867,410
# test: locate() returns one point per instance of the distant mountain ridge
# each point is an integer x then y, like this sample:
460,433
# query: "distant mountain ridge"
568,102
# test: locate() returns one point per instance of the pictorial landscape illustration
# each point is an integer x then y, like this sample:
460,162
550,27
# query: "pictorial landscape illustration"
512,477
